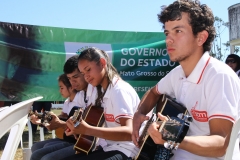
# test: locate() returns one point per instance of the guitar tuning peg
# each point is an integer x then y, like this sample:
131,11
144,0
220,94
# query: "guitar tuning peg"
186,118
172,145
189,119
180,115
176,147
167,144
76,124
172,136
175,121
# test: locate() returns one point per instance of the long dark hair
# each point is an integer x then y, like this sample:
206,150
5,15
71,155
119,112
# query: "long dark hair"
64,79
95,54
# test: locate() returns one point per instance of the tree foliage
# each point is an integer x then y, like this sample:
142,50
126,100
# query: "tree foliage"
220,49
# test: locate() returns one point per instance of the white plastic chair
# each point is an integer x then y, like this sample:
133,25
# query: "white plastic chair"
233,140
54,106
27,151
42,134
14,118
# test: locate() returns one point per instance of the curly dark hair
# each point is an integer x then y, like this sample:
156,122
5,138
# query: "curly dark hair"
71,65
200,18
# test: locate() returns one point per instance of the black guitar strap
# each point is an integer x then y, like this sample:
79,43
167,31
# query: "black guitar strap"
162,153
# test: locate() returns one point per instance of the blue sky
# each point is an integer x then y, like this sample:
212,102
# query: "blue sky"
120,15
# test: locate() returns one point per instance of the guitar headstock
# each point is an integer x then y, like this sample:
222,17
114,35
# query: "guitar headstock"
45,116
174,130
77,116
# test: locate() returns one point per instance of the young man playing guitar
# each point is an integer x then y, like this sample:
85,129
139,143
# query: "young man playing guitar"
207,87
58,148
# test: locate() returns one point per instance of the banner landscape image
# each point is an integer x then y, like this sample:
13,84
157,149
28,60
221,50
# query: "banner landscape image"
32,58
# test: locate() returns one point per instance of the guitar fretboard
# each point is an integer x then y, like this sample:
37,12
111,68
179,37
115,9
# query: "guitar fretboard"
144,133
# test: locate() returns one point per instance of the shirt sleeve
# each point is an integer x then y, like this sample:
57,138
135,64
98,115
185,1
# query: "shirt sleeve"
80,99
125,102
222,92
165,85
65,106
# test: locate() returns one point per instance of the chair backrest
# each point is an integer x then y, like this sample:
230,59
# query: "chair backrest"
232,142
14,118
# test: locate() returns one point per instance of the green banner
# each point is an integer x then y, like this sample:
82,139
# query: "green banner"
32,58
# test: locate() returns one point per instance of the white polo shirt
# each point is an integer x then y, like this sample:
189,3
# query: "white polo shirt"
212,90
238,73
91,94
78,100
119,101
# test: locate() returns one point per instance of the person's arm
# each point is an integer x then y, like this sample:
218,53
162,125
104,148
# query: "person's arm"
35,120
213,145
63,116
121,133
147,103
56,123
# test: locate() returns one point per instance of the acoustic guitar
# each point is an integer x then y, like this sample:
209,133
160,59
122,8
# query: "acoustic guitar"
46,117
94,116
59,132
173,130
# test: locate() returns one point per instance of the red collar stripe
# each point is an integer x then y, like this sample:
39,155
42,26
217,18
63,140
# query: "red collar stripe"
203,70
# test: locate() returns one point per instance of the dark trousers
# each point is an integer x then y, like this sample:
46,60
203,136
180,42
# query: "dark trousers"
99,155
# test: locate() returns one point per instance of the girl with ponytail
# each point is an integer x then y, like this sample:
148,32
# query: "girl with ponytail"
119,101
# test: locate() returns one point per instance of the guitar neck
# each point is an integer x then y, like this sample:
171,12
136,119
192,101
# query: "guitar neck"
43,116
145,129
144,132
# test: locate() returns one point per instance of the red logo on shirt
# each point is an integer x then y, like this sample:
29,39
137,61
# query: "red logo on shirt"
200,116
109,117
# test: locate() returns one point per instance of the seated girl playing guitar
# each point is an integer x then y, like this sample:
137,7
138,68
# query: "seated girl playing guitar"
119,101
68,92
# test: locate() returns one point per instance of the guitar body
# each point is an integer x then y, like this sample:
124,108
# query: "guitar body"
166,106
93,116
59,133
147,150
